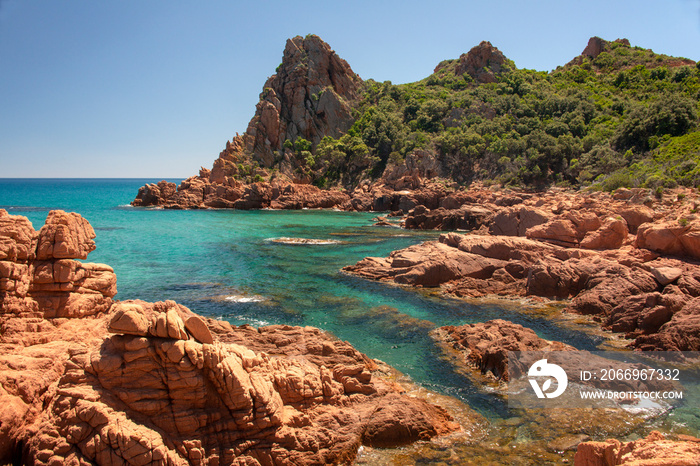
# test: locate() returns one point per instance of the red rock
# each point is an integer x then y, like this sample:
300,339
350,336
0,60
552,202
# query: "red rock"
654,450
154,194
429,264
43,281
670,238
310,97
561,232
485,346
636,215
617,286
198,329
17,242
483,63
388,426
611,235
595,46
680,333
666,275
65,236
609,286
646,312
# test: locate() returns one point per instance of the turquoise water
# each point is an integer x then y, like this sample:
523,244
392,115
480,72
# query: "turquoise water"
224,264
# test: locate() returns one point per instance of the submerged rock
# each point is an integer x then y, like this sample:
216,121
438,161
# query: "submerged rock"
485,346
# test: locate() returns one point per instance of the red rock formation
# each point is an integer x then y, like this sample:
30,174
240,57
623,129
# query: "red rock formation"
603,253
87,381
198,193
310,97
672,238
38,277
628,290
654,450
483,63
428,264
485,345
596,46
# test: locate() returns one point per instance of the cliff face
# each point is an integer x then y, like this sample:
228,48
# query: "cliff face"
311,96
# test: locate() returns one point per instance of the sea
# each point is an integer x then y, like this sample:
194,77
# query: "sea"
246,267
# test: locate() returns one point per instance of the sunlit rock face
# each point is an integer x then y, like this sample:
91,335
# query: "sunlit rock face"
310,96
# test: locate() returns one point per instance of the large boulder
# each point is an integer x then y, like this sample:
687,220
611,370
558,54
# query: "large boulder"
40,276
673,238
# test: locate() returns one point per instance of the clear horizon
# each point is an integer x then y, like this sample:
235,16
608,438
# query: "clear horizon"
155,89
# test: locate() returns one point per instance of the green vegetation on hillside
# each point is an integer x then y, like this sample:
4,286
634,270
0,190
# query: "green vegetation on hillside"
629,117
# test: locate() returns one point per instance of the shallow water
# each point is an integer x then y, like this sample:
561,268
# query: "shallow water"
226,264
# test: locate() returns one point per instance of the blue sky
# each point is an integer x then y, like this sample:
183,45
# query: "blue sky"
155,88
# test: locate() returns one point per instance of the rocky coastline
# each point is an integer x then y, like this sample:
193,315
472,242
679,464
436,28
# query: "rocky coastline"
87,379
90,379
628,259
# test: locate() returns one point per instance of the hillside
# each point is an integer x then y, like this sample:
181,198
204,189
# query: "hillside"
616,115
484,119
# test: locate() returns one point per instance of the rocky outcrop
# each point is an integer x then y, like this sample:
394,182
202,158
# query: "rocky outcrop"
309,97
473,265
632,291
222,188
101,382
198,193
626,258
485,346
428,264
596,46
654,450
484,63
588,220
38,276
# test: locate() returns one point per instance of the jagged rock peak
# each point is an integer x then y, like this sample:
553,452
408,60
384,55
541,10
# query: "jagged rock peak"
310,96
596,46
483,63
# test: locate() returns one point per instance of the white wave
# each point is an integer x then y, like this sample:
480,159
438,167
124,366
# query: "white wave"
285,240
244,299
253,322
